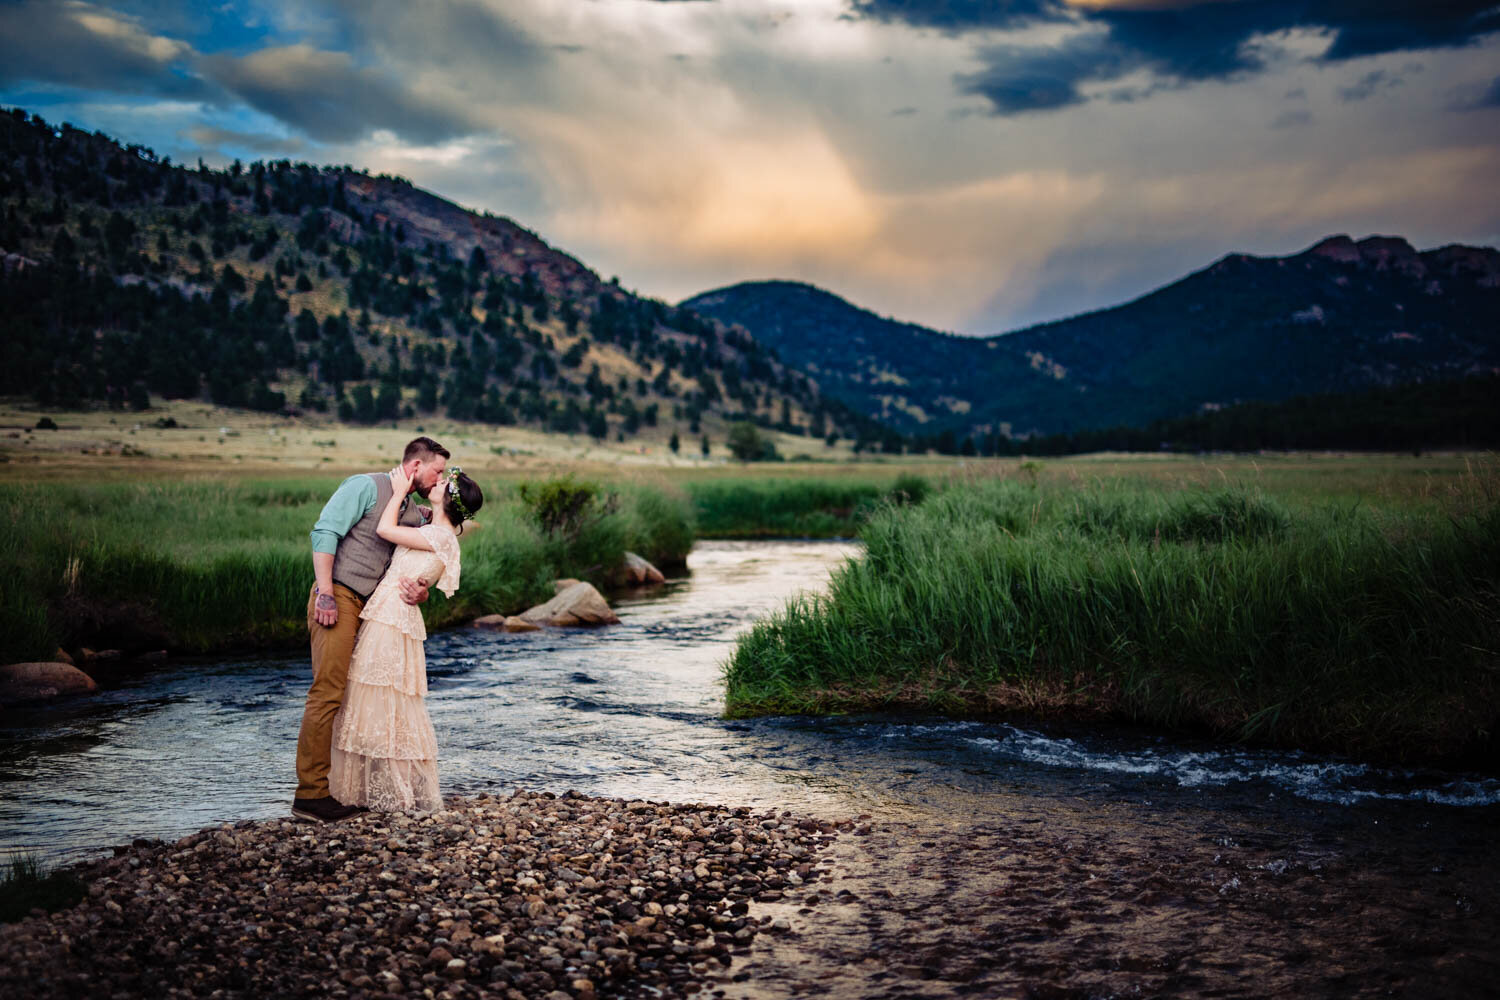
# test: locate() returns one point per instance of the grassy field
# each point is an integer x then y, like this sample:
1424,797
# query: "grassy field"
204,440
776,507
1350,602
1320,613
207,565
185,527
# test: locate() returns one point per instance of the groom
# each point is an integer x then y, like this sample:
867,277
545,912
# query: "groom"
349,559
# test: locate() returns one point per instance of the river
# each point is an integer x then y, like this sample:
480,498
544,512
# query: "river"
632,711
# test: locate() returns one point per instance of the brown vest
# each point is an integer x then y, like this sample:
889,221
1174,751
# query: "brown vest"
362,555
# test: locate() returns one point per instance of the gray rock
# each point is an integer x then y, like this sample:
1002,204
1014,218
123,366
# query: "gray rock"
579,604
21,682
640,573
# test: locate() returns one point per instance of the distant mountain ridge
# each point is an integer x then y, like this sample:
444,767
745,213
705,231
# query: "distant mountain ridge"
1341,315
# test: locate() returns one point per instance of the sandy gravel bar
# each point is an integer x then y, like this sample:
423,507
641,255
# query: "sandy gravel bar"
526,896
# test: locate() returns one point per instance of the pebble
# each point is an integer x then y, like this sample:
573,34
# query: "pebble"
532,896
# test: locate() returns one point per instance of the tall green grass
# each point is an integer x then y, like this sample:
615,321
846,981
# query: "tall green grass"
1343,626
791,508
203,566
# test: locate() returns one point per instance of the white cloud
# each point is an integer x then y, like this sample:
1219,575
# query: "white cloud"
687,145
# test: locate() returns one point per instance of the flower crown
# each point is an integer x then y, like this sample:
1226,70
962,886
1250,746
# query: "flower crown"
451,474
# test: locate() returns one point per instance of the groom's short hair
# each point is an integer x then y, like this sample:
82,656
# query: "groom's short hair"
424,448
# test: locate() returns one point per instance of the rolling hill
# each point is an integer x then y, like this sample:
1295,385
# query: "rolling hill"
291,287
1341,316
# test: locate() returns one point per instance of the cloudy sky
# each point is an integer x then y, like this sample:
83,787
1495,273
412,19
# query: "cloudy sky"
973,166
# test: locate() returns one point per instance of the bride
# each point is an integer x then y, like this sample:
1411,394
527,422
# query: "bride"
384,749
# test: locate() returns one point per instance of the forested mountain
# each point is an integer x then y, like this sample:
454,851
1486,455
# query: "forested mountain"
1416,416
290,287
1339,317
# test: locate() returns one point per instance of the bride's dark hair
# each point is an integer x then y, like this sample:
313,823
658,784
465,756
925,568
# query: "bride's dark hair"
466,504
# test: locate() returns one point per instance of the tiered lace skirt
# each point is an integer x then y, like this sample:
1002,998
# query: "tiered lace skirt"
384,749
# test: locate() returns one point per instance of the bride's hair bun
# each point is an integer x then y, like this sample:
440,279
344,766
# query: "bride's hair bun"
462,498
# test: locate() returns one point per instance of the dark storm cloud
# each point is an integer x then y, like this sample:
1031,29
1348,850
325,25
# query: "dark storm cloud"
1373,27
1016,80
360,84
327,95
1188,42
463,35
1192,43
79,45
330,99
960,15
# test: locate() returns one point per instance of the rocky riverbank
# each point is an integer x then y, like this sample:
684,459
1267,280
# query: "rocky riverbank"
529,896
1015,896
573,898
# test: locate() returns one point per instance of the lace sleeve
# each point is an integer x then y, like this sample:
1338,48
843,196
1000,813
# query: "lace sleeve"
445,547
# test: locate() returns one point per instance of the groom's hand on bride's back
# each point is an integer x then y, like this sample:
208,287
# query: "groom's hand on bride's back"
414,589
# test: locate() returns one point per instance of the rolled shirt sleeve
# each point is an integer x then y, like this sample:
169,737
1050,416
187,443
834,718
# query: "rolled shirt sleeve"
350,502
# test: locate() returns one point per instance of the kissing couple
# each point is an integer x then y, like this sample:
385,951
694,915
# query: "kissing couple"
366,741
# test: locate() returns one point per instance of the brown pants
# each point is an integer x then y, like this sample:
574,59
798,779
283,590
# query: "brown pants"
332,648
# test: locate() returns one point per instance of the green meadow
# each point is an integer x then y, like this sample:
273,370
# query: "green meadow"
1318,600
218,564
1333,616
830,507
214,565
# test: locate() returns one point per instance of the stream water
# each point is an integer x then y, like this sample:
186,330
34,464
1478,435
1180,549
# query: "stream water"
633,711
990,859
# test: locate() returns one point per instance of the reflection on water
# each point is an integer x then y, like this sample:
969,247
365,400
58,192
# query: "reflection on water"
630,710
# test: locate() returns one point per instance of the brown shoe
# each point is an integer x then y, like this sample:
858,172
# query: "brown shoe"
324,810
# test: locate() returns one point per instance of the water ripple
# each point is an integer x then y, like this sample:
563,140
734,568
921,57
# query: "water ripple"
632,711
1303,775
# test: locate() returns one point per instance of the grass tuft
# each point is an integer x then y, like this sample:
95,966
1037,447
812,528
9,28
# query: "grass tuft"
26,885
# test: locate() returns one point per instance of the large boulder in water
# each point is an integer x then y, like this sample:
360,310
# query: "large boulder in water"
640,573
579,604
39,681
505,623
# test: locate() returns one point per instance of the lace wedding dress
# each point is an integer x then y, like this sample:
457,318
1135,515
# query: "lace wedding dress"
384,749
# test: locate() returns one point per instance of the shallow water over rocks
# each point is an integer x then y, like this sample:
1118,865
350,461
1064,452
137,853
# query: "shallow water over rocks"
632,710
988,859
